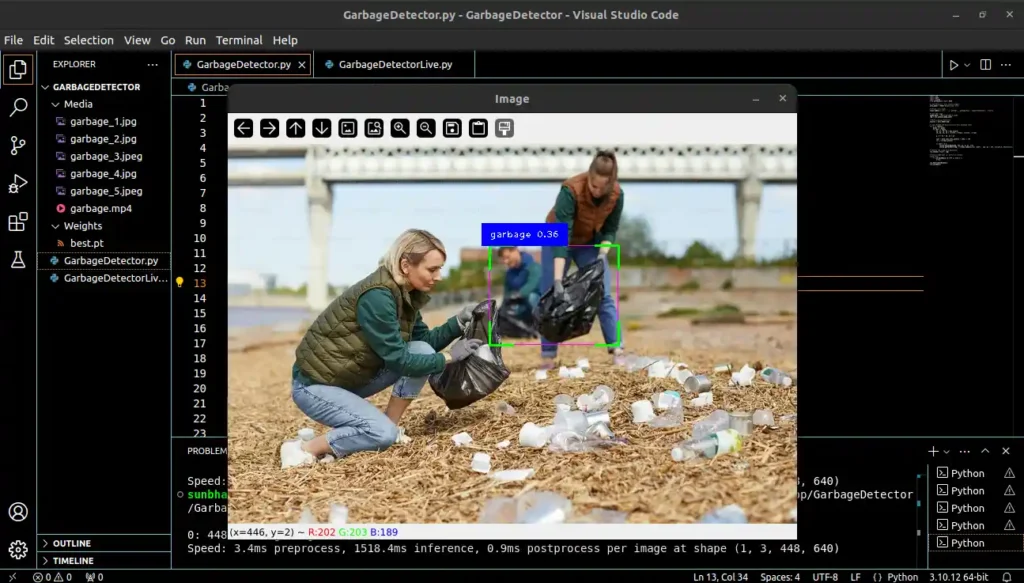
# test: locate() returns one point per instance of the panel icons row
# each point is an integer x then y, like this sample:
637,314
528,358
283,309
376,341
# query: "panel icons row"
372,128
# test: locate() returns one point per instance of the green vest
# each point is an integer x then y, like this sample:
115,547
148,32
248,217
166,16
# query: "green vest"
334,350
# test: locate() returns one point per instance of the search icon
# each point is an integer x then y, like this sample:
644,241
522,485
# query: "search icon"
17,512
426,128
400,128
20,105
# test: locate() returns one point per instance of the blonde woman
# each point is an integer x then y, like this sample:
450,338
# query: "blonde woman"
370,338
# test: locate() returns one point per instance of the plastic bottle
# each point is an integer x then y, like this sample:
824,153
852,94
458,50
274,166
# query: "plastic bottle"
716,421
775,376
714,445
731,514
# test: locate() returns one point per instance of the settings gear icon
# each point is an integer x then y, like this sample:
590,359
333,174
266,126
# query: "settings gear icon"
18,550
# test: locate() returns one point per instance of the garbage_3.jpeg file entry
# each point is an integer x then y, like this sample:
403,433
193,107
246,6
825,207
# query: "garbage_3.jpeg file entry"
451,338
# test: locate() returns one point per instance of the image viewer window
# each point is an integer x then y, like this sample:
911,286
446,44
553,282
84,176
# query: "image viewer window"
368,221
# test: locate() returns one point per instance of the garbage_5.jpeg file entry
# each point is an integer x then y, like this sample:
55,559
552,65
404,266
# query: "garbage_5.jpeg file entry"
556,316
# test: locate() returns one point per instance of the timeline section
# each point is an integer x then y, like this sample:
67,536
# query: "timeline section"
103,292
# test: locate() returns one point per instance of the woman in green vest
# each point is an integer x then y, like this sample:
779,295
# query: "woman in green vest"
370,338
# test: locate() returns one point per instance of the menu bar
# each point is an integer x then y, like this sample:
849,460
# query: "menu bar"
224,17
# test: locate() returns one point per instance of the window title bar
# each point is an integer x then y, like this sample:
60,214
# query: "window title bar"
511,98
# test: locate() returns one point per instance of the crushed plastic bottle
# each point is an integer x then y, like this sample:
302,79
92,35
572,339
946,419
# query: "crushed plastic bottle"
586,403
338,514
575,421
505,409
485,353
307,517
563,403
635,362
671,418
603,396
744,377
571,373
667,400
499,511
583,364
715,422
602,516
764,417
568,442
596,400
661,369
731,514
402,438
306,434
543,508
461,439
719,443
703,400
517,475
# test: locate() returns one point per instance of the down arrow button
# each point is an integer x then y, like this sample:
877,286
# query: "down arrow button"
321,128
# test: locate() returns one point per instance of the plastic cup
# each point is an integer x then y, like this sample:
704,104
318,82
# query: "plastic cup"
575,421
643,411
531,435
481,462
742,422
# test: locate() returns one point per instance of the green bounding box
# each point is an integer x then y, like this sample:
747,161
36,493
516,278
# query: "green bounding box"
618,323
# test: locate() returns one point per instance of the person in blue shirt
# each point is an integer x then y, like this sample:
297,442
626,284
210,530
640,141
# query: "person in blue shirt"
522,279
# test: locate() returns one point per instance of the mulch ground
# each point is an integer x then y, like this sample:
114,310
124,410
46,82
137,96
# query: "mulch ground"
430,481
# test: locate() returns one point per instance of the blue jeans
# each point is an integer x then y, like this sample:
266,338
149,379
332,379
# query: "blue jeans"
356,424
607,314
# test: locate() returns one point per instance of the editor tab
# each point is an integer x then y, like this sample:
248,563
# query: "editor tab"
243,64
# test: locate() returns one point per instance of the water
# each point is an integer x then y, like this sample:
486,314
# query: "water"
252,317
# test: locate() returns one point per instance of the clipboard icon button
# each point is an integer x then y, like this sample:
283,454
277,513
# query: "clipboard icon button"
478,128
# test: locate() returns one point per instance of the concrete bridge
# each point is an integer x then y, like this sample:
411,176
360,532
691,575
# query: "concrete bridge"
748,167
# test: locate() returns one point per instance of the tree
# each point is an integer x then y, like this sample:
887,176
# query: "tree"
635,239
698,253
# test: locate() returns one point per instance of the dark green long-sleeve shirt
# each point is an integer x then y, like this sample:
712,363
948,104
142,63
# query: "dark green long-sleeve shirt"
565,212
377,315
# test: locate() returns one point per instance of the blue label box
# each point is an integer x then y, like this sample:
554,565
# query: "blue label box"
524,234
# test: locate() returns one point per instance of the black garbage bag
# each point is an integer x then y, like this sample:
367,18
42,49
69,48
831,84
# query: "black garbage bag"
467,381
572,316
516,319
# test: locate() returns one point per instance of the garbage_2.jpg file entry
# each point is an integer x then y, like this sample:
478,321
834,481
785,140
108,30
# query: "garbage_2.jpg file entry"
634,249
